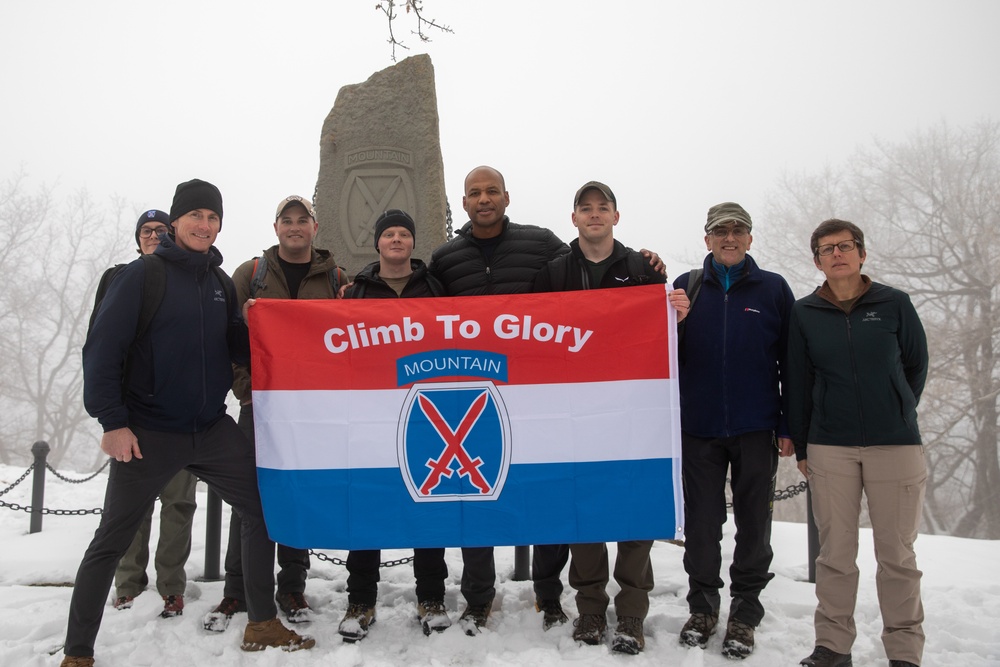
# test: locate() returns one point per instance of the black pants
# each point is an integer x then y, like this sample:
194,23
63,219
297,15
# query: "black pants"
220,457
547,563
293,564
429,569
753,459
479,575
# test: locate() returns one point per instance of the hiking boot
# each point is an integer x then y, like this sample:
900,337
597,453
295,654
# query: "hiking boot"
589,628
738,643
901,663
473,619
824,657
357,620
77,661
124,602
552,613
628,637
698,629
173,605
218,619
260,635
295,607
433,616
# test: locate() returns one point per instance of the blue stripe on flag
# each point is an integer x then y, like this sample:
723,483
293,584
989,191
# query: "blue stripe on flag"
561,503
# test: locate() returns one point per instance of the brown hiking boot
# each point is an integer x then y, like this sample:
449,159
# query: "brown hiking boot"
76,661
738,643
698,629
124,602
260,635
218,619
295,607
628,637
590,628
173,605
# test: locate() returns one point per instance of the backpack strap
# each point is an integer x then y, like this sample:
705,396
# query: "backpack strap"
694,286
154,286
259,272
636,267
338,277
102,289
692,289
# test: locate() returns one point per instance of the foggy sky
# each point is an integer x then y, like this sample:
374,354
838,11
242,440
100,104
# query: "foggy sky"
676,105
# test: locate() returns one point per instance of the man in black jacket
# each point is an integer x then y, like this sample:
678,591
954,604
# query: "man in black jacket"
597,260
492,255
161,401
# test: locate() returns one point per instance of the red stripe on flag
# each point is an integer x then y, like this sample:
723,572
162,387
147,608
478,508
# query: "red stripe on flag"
587,336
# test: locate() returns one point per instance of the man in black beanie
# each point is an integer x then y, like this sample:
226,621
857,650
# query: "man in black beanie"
164,411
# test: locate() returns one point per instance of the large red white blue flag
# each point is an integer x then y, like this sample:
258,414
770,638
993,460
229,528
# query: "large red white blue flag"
475,421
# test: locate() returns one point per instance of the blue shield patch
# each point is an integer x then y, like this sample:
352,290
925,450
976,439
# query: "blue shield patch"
453,442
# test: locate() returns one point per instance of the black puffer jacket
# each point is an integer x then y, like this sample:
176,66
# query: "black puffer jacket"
369,285
463,268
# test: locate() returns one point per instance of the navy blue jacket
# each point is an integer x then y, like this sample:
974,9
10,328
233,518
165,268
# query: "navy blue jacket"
732,356
181,369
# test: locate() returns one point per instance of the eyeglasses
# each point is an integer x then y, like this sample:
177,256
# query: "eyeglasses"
738,231
146,232
843,246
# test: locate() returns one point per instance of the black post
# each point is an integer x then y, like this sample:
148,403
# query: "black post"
213,536
522,564
813,534
40,450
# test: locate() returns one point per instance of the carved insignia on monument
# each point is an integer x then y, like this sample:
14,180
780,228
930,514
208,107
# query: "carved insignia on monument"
376,180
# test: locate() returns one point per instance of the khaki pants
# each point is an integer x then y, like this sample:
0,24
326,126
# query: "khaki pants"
588,575
893,479
177,507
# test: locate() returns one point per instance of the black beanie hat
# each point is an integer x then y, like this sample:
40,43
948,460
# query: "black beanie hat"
393,218
194,194
152,215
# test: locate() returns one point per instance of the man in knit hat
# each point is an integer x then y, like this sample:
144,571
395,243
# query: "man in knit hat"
177,500
163,410
733,422
291,269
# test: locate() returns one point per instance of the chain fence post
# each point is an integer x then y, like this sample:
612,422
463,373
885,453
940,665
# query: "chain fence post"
522,564
813,532
213,535
40,450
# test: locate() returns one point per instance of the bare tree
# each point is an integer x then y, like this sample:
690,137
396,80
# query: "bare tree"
52,270
930,208
414,8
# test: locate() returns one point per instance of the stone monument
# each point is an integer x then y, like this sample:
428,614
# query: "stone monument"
380,149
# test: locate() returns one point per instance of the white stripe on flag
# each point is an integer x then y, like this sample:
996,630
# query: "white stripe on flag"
556,423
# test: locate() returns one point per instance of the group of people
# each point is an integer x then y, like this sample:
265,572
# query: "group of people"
833,378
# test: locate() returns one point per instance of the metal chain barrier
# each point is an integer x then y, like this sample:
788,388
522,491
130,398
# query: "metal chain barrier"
19,479
339,561
45,510
784,494
77,481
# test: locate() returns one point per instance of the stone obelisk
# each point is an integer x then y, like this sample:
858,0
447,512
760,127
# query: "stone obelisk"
380,149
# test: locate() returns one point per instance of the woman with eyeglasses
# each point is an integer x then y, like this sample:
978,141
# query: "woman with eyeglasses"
857,358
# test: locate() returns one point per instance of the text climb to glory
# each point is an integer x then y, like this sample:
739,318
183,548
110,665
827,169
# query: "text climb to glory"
505,326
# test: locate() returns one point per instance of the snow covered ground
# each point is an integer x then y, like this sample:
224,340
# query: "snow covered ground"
961,591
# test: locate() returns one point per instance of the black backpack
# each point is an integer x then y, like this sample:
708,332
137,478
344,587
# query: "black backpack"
154,286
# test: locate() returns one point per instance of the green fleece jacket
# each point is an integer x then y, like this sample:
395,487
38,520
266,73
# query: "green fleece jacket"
855,378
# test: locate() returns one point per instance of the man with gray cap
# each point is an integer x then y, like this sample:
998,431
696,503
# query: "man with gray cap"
159,393
733,419
291,269
177,499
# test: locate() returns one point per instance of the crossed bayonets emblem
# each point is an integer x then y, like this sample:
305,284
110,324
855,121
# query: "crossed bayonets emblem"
454,449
